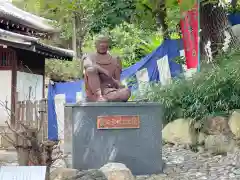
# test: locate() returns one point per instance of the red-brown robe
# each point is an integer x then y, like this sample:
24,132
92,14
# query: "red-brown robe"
110,90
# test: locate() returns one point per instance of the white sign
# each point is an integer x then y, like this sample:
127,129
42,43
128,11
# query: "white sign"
23,172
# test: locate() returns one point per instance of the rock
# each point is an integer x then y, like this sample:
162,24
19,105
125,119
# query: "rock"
59,163
201,138
180,131
216,125
219,144
63,173
93,174
117,171
234,123
74,174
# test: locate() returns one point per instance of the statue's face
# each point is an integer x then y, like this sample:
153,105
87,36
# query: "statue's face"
102,47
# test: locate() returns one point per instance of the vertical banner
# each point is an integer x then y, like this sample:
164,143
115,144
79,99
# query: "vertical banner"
189,28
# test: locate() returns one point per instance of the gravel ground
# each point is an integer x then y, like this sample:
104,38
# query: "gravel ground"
8,158
183,164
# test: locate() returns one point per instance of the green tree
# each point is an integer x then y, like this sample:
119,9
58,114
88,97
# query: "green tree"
110,13
67,14
161,14
29,5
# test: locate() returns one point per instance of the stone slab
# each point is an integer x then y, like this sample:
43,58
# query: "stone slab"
139,149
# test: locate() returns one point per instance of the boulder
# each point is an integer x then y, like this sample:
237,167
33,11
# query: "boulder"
216,125
180,131
117,171
92,174
63,173
73,174
201,138
219,144
234,123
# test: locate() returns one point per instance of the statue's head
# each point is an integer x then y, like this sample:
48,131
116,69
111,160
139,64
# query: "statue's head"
102,44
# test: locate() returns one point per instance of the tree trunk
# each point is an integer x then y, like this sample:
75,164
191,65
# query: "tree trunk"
81,30
234,5
74,36
79,47
215,29
161,15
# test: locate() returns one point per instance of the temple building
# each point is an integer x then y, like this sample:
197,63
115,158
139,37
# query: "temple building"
22,55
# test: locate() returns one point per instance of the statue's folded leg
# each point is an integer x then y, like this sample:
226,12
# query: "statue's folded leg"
94,83
118,95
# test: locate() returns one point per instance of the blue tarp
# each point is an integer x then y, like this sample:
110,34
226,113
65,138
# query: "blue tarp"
234,18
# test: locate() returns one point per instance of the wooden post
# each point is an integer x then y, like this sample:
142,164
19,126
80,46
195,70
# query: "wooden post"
36,151
23,112
42,124
48,148
29,113
74,36
22,148
16,113
14,110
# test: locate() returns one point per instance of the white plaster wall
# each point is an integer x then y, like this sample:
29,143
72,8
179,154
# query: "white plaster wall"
236,30
27,80
60,101
5,95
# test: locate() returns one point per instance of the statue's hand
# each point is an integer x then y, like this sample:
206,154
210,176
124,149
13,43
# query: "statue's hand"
102,70
118,83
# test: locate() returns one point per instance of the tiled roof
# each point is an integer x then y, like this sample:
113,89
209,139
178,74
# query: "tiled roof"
11,12
33,44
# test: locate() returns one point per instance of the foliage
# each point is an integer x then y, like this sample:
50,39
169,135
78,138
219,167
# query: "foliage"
125,40
110,13
146,14
211,91
63,70
152,43
130,23
29,5
149,45
63,13
231,9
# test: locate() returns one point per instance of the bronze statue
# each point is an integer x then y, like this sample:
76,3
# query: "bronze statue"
102,75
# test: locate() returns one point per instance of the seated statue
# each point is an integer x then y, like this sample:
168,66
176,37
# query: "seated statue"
102,75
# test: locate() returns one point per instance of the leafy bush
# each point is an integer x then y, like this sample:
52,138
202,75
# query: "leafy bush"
63,70
212,91
151,43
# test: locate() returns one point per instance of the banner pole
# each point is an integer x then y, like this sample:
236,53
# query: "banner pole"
199,54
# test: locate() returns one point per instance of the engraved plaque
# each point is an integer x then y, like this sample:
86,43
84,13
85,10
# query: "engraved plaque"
118,122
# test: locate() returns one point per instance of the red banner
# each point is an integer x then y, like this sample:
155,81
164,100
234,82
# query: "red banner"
189,28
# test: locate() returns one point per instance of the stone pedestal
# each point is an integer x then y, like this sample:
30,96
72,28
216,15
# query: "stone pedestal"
128,133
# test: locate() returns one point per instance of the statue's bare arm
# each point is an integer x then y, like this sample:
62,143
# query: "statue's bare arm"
119,69
118,72
89,63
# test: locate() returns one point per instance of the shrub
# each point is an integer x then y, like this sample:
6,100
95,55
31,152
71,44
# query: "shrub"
59,70
212,91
